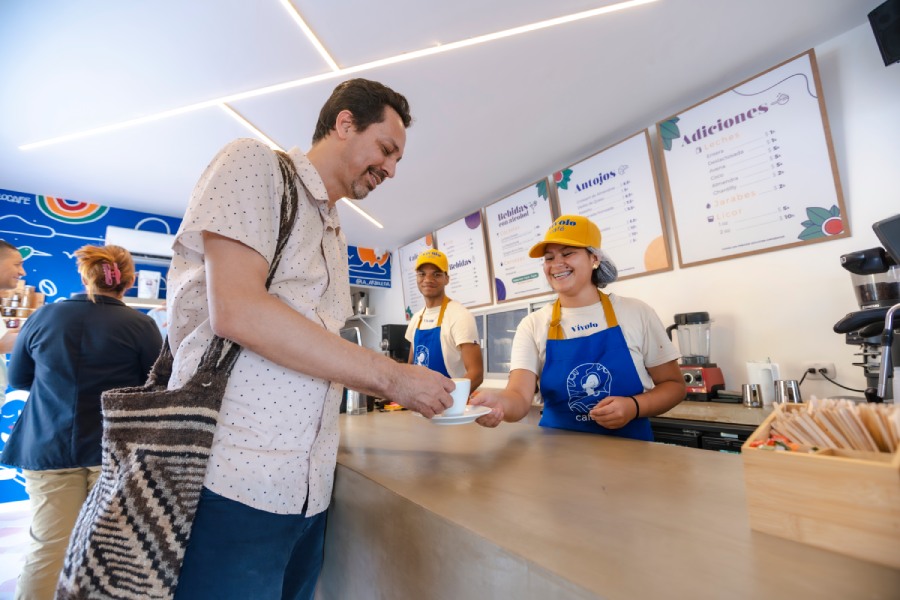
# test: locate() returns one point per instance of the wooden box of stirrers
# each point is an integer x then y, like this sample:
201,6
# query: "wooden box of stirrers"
837,498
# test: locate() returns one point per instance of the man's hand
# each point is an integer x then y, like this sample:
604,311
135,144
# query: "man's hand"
421,389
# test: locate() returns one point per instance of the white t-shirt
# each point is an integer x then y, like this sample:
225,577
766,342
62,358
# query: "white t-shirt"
458,328
278,433
644,333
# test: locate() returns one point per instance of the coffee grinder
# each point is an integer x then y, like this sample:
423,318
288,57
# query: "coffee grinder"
703,378
875,275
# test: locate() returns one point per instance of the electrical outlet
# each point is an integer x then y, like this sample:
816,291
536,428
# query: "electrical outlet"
829,370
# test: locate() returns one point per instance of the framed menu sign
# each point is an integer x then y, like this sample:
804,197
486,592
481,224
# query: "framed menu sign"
407,258
463,243
514,225
752,169
616,189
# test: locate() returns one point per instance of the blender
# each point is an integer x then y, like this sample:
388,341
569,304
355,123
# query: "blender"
703,378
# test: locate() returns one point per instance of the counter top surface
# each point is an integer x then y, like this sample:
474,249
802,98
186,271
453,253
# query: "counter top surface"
618,518
719,412
714,412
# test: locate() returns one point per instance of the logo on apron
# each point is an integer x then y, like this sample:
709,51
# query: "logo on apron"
421,356
586,385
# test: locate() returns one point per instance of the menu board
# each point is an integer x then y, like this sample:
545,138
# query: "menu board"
407,255
514,225
752,169
616,189
463,243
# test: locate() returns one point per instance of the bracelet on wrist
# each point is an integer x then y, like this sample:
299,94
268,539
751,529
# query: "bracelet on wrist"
637,407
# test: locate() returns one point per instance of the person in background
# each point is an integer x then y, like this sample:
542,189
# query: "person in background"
604,361
260,523
10,271
159,314
443,335
67,354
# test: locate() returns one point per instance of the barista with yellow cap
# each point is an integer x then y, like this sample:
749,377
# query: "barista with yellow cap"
443,335
603,361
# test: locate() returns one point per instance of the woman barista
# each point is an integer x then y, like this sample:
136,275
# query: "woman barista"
604,361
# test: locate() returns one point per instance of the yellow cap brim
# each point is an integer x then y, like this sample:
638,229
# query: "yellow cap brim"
537,251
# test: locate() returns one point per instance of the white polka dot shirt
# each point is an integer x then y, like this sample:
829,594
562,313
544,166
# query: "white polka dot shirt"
277,437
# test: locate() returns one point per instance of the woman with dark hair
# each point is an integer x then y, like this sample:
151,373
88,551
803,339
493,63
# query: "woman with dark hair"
604,361
66,355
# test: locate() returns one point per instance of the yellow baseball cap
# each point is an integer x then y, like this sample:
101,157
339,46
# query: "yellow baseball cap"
569,230
433,257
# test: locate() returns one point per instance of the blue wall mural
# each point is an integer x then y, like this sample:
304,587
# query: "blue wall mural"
47,232
368,268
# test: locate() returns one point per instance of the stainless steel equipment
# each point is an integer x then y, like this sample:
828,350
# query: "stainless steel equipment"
787,391
876,278
751,395
887,369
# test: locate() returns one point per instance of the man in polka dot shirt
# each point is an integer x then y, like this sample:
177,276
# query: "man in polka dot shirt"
259,529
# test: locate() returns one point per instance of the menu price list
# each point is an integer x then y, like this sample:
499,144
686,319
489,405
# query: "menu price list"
407,255
616,188
751,169
463,243
514,225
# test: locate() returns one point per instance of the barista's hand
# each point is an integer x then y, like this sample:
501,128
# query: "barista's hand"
613,412
491,399
420,389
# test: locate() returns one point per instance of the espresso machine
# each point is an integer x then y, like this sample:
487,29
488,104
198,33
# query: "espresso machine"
394,343
875,274
703,378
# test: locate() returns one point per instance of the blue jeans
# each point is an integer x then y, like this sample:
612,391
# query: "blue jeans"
240,552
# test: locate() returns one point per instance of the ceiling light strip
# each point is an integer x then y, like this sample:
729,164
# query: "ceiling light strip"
489,37
341,72
251,127
295,14
363,213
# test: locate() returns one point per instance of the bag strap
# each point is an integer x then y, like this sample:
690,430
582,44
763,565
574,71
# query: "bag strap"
221,354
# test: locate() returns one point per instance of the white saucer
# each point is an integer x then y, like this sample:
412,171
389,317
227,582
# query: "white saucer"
471,413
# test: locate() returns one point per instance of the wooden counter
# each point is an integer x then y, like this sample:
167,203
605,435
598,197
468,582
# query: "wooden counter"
423,511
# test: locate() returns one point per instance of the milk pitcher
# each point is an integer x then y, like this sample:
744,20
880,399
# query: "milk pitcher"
764,374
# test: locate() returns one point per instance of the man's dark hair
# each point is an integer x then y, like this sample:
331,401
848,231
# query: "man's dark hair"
4,245
366,100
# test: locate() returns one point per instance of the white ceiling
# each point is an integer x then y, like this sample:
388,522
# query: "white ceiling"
489,119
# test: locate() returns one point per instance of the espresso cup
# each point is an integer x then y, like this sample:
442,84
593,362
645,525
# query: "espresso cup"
752,395
787,391
460,397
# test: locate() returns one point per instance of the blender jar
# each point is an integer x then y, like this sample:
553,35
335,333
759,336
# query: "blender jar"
693,337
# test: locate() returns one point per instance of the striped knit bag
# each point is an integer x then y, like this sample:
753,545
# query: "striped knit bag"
130,537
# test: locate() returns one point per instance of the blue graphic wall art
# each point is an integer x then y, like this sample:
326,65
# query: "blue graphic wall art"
47,231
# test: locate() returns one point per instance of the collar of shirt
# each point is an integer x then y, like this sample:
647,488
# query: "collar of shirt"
316,187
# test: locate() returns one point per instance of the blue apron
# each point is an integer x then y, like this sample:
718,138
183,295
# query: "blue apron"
580,372
427,344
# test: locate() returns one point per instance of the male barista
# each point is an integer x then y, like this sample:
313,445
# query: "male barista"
443,335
